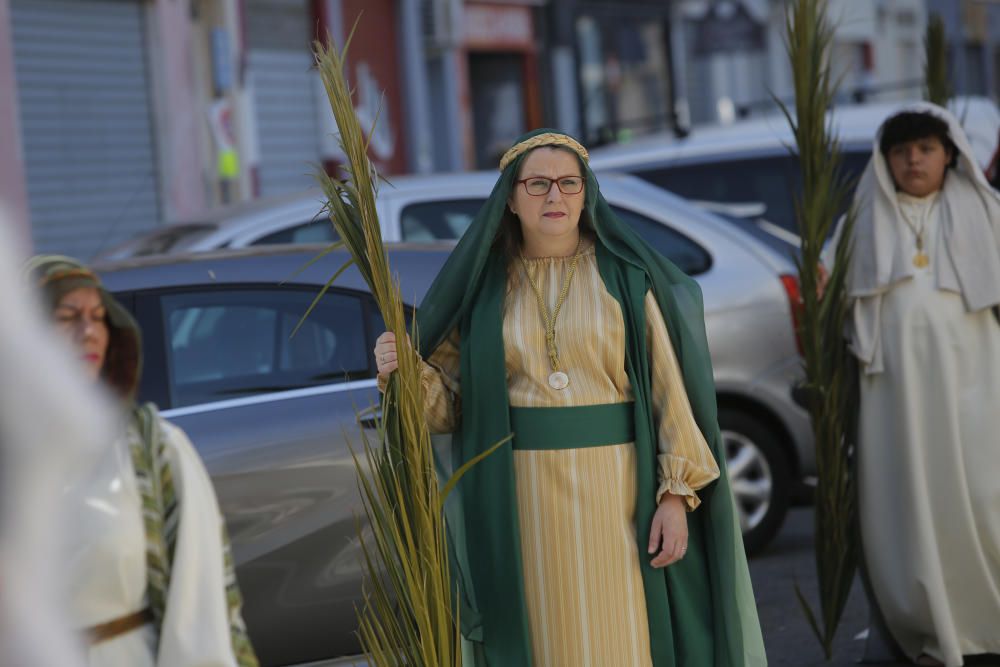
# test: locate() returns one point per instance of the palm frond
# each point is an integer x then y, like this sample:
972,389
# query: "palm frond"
407,615
937,86
830,384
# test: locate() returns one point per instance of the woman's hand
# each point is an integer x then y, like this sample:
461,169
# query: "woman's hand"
385,354
669,533
822,280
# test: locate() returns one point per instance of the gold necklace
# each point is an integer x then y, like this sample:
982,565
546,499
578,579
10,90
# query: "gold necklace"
920,260
558,379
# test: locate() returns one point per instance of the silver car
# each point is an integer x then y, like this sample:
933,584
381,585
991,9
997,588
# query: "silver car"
748,163
272,415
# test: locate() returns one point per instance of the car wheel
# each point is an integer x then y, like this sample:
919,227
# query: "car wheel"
759,475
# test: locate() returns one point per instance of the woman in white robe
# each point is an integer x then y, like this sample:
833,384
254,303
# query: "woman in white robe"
923,285
150,576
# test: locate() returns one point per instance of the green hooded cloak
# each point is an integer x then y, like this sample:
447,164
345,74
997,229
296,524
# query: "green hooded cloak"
701,610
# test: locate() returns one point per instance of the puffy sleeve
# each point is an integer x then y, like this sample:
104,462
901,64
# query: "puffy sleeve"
202,622
686,463
439,376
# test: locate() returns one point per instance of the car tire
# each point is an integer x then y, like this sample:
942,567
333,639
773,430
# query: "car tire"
759,475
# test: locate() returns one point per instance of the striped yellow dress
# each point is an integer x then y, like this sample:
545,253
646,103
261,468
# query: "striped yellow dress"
583,587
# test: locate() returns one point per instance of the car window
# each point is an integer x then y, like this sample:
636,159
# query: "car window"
238,342
689,257
771,181
431,221
315,231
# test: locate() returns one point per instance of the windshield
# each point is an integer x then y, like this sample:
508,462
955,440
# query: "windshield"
164,240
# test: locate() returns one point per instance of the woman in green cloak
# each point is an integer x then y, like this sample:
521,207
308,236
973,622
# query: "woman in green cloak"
604,533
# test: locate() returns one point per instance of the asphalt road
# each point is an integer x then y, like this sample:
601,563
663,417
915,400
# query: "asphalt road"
787,635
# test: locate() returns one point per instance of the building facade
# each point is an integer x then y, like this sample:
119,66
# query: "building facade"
731,54
625,68
121,115
972,28
128,114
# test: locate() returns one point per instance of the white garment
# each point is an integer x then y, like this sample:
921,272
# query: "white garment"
107,562
107,558
52,423
967,260
929,463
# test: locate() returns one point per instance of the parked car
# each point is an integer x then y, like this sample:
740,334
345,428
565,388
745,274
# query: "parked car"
427,208
272,416
748,163
412,209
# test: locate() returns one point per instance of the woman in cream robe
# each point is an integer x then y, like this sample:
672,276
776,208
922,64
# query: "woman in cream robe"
923,285
147,564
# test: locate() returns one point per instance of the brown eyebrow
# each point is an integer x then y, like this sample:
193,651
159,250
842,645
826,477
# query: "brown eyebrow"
75,309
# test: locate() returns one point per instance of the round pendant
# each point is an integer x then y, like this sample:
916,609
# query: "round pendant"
558,380
920,260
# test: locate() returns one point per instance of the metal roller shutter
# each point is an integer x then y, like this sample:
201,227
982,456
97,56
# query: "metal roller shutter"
285,85
86,122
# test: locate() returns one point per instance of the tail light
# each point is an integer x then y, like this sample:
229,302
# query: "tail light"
791,284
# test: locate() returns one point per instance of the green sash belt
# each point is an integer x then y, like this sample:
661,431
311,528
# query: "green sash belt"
573,427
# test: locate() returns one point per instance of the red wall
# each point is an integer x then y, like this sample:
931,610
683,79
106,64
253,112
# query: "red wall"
375,44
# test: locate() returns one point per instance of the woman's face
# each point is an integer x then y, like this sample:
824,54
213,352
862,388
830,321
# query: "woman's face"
548,217
918,166
80,315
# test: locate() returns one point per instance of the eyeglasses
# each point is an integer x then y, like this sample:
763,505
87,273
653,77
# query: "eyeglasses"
539,186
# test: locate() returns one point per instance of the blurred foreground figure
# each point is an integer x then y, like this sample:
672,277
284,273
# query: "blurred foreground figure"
51,424
150,576
923,285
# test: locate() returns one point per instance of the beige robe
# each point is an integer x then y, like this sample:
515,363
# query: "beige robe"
576,507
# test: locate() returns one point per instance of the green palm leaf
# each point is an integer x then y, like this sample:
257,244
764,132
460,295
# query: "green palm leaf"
830,380
408,615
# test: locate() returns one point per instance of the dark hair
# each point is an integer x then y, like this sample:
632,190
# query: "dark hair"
912,126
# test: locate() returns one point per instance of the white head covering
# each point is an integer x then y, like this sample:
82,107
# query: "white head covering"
967,261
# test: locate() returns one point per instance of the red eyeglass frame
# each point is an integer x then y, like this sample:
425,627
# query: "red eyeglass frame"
552,181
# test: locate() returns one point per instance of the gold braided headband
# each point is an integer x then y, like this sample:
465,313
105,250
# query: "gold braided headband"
547,139
68,273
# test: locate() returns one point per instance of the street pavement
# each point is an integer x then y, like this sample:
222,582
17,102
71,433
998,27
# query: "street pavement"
789,641
788,638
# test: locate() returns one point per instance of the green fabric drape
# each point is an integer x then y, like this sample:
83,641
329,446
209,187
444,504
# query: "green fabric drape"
701,610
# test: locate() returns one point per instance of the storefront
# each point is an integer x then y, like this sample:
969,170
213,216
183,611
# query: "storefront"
88,136
374,71
502,78
285,92
623,61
